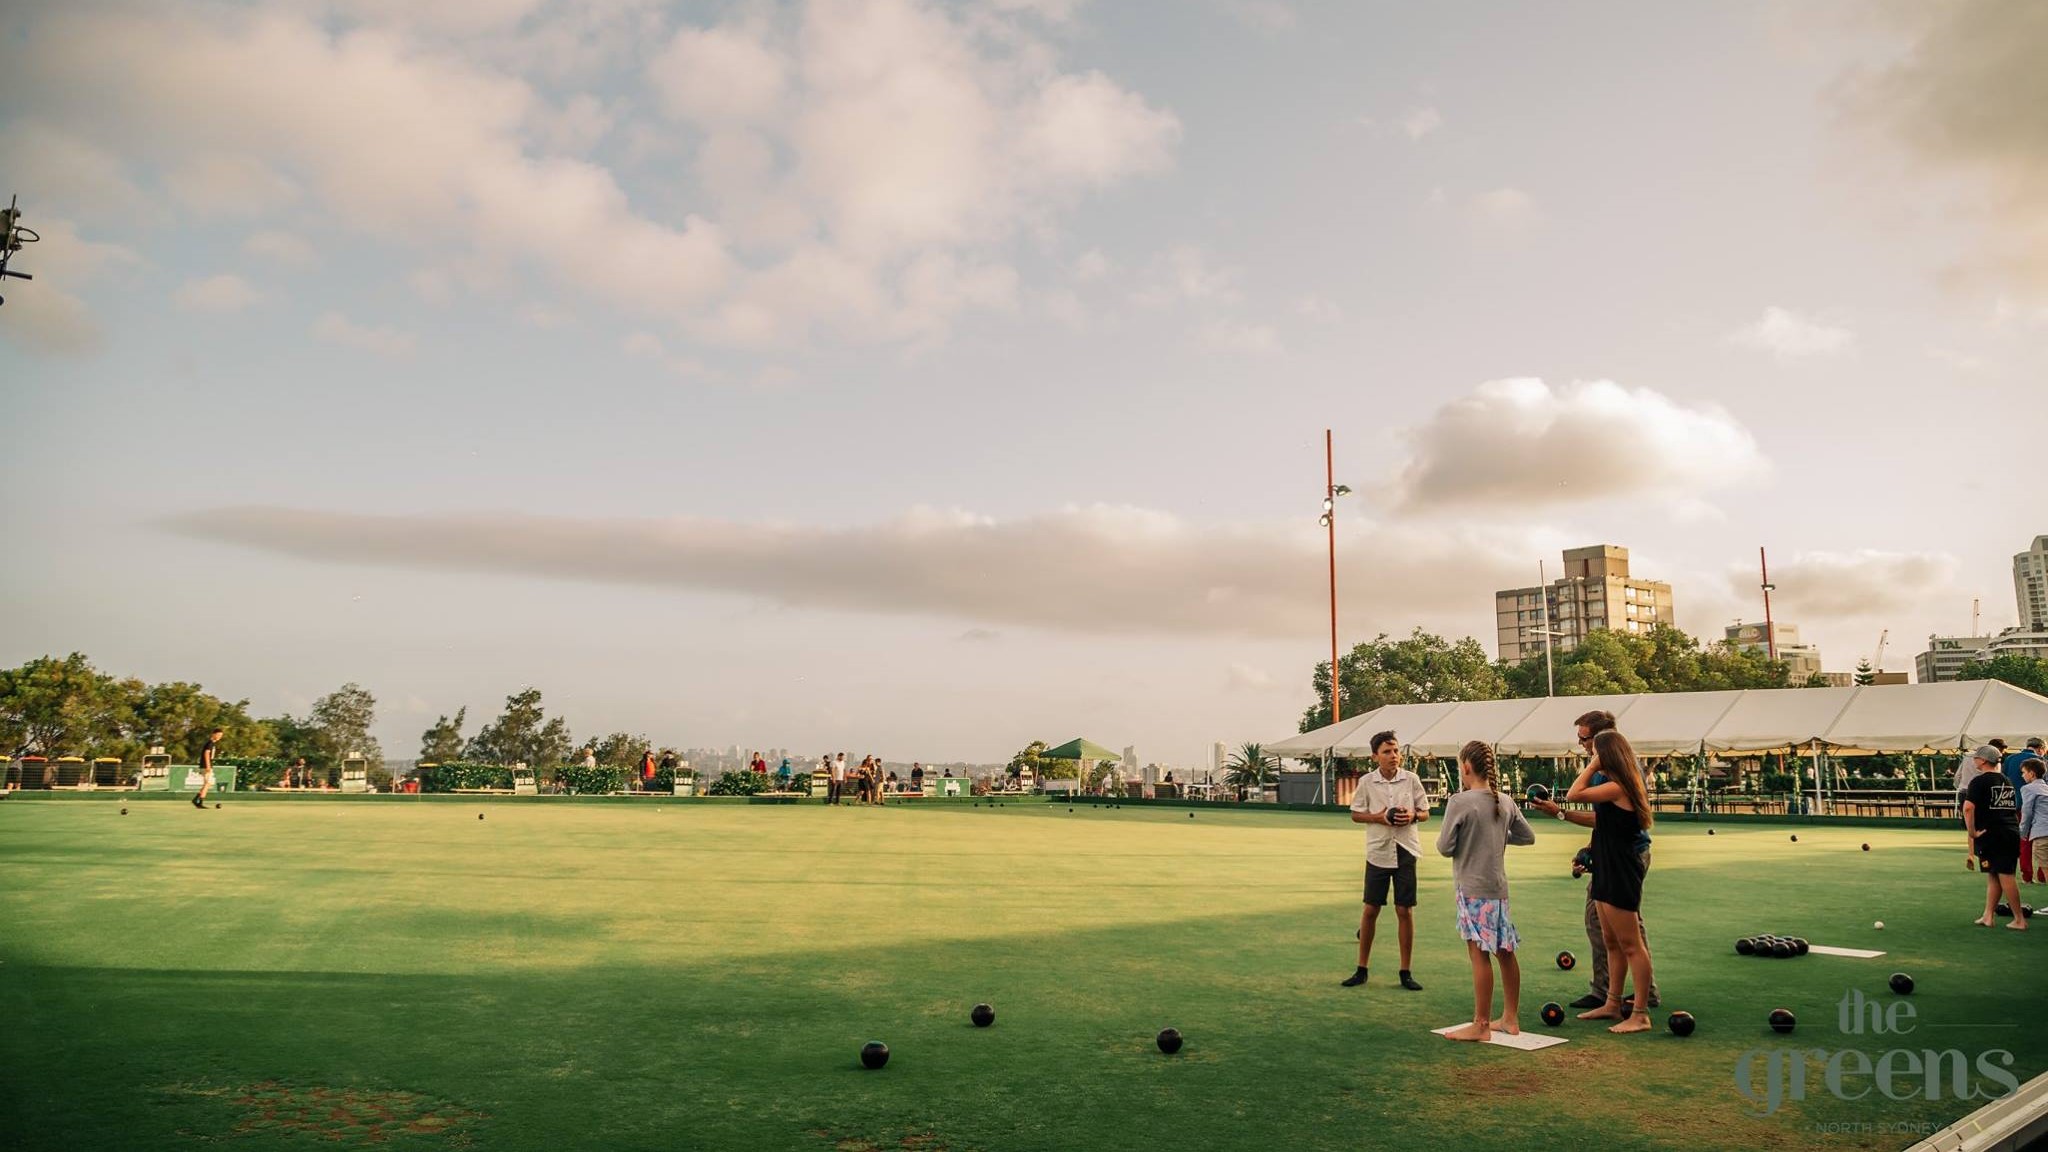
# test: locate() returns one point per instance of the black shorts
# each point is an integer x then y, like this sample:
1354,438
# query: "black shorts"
1998,853
1401,876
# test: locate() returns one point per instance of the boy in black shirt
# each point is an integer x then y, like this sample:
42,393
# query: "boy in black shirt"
1991,814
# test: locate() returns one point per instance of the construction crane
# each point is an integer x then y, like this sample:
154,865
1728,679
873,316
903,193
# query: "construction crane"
1883,638
12,237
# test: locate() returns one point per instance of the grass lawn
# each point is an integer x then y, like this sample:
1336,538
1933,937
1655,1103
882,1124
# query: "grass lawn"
661,974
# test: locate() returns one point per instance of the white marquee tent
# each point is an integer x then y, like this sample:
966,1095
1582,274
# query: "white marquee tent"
1928,718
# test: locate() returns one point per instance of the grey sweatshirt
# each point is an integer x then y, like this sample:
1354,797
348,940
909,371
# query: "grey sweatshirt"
1477,828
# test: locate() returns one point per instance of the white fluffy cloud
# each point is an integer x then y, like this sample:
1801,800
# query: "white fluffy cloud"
1505,208
282,247
1237,336
1419,122
1092,569
1864,584
1520,443
1788,335
224,293
383,341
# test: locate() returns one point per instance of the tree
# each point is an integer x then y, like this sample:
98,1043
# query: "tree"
343,718
180,716
52,707
2028,672
1864,673
292,738
1421,669
1661,660
1248,767
523,733
441,743
1030,761
623,749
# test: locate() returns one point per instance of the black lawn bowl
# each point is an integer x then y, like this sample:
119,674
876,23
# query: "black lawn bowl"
479,815
124,811
1782,949
1902,984
982,1015
1800,946
1866,847
2003,908
1553,1014
1745,947
1567,961
1710,831
1169,1040
1540,792
874,1054
1795,837
1681,1023
1782,1021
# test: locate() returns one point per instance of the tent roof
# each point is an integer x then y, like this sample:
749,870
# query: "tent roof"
1873,718
1079,749
1316,741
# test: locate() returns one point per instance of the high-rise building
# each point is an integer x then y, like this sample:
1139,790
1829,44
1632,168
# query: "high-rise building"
2030,585
1595,592
1216,758
1802,661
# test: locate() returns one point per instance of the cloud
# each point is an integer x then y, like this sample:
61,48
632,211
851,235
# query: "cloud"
1419,122
1506,208
1096,569
230,184
1319,309
1184,274
648,346
1234,336
1788,335
225,293
55,167
1270,17
1970,98
1519,443
979,636
1245,678
46,315
339,329
281,247
1091,265
1853,585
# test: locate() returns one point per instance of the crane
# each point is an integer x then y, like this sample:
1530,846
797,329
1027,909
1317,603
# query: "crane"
1883,638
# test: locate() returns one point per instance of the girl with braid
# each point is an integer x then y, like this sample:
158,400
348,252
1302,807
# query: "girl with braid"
1479,824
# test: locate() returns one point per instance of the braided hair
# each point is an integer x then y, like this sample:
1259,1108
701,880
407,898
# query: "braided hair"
1479,754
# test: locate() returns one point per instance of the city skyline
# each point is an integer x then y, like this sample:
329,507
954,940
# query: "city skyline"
931,378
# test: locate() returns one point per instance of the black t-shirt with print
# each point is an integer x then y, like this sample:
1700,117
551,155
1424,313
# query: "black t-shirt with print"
1997,804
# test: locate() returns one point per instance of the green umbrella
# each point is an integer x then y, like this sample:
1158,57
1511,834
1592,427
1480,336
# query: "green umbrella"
1078,749
1081,751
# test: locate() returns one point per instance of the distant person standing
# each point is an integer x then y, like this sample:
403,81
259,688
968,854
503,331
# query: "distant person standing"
1991,816
2014,760
206,757
298,775
590,757
917,777
2034,822
647,770
1390,802
760,766
838,786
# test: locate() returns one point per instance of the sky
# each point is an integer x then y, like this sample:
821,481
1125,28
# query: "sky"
924,379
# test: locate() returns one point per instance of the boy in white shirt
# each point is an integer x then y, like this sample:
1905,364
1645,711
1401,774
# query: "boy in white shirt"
1390,802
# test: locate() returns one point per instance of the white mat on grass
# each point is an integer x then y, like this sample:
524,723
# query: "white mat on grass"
1523,1041
1853,953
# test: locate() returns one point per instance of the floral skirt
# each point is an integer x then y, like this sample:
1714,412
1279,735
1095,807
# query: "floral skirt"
1486,923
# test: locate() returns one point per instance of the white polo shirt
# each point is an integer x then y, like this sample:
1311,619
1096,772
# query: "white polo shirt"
1376,793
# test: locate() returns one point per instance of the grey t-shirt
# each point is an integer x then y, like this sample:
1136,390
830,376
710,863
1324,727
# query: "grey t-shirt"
1477,829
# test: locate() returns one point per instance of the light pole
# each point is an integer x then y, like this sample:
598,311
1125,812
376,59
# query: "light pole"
1770,631
1332,490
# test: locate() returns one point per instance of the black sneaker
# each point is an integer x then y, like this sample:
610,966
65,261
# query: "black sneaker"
1409,983
1588,1001
1355,979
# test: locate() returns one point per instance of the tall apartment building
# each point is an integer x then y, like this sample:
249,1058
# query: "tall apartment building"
1595,592
2030,585
1802,661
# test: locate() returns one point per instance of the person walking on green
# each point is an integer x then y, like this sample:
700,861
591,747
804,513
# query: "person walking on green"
206,756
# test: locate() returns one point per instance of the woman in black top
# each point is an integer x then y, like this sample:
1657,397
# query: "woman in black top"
1621,809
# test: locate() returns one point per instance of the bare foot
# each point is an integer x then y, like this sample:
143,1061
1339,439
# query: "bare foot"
1640,1022
1983,922
1509,1025
2016,925
1608,1011
1475,1031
